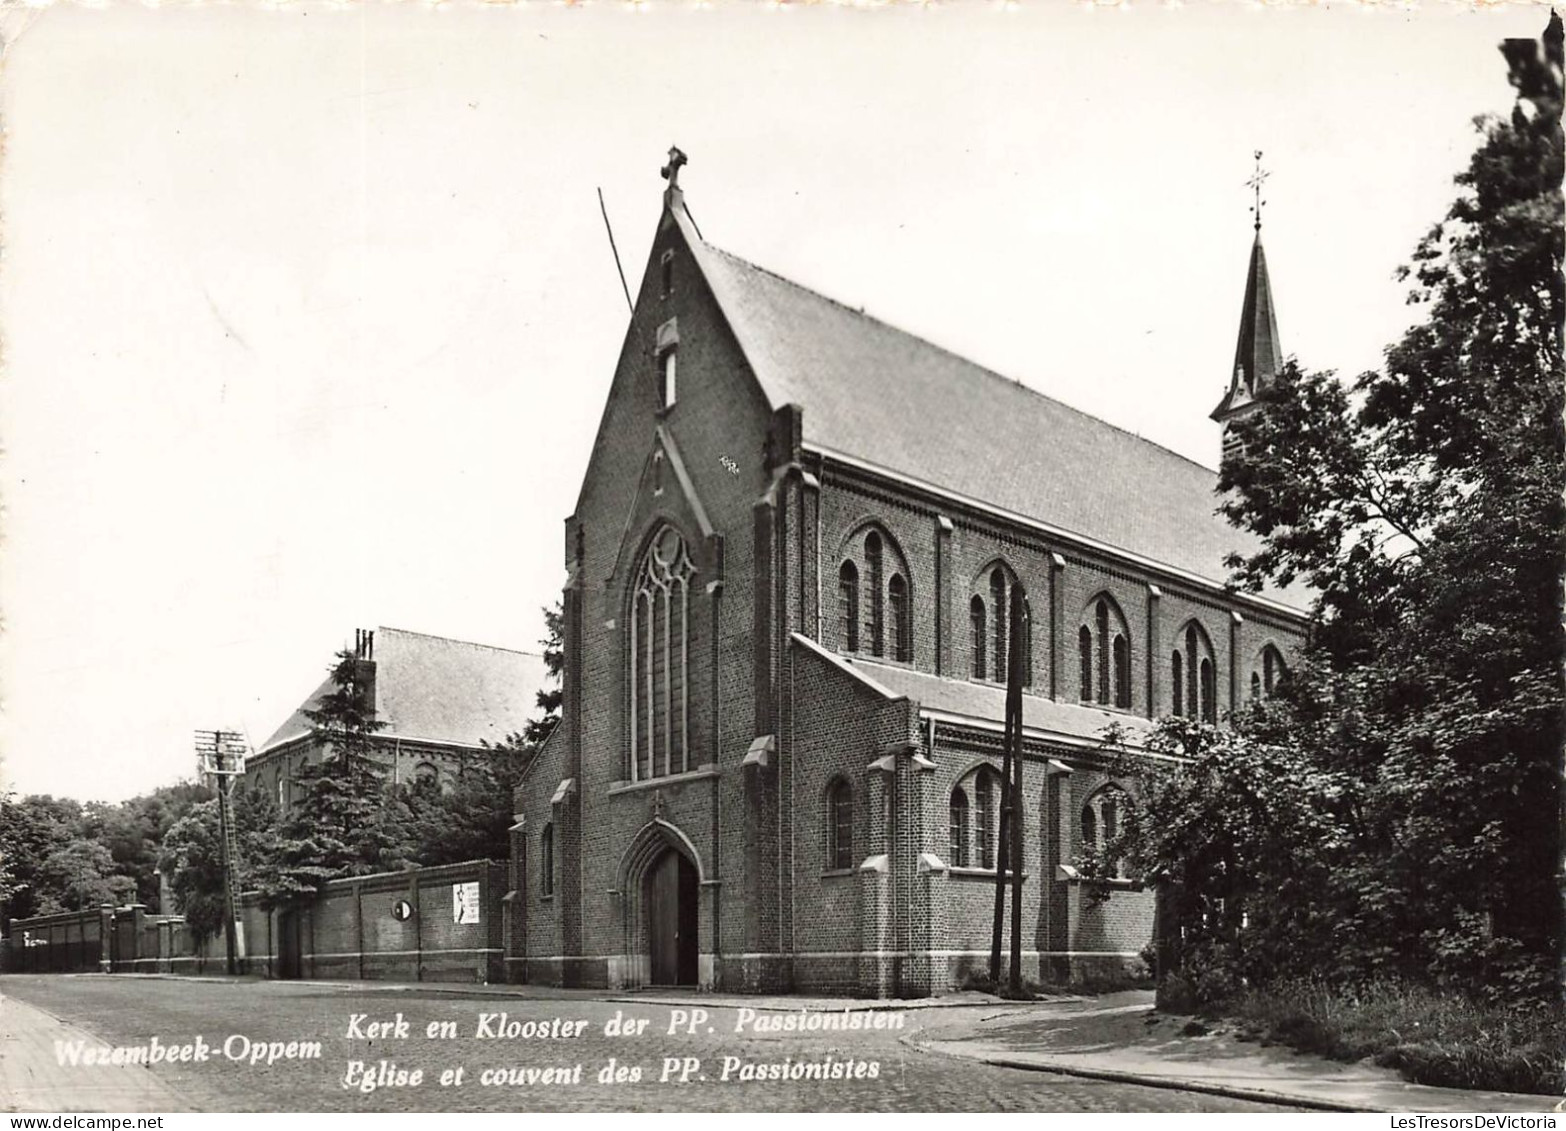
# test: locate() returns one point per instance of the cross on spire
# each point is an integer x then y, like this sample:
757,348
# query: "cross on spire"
671,171
1258,178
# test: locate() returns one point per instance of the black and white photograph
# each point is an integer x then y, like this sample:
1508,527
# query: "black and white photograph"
781,555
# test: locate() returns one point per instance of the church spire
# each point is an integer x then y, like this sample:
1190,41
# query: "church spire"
1257,355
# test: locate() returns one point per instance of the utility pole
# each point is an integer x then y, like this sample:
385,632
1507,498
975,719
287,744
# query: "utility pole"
222,755
1002,851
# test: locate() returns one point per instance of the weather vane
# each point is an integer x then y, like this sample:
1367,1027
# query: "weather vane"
1258,178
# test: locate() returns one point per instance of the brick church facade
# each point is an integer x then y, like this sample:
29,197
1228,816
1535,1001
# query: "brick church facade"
789,572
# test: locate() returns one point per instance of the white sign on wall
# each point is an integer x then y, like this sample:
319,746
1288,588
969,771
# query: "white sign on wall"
465,902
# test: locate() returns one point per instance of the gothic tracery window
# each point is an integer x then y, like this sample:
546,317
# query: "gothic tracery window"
659,659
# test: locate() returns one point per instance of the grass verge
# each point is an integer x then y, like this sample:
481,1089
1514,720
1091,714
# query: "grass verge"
1429,1036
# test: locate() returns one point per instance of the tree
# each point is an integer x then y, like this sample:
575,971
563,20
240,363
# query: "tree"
1424,502
134,830
80,875
35,827
342,824
192,855
472,819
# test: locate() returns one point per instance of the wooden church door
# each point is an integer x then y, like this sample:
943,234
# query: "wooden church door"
672,895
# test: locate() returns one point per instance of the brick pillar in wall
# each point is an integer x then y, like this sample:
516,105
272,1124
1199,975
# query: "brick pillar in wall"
514,905
1057,569
1154,648
762,591
1056,889
875,880
919,875
1235,623
945,646
759,865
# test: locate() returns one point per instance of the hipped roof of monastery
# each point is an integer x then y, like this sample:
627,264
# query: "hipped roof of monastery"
433,689
874,393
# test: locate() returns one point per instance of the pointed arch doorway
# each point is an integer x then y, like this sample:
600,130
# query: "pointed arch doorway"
670,898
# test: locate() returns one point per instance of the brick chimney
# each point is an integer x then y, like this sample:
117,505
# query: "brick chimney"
364,669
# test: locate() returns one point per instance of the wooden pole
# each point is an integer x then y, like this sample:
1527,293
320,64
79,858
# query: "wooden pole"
1002,850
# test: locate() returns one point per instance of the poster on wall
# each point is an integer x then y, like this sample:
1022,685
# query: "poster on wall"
465,902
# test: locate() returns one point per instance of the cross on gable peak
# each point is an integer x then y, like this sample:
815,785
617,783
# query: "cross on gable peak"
671,171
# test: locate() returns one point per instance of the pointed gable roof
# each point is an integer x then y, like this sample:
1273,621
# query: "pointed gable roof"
1257,355
439,690
880,395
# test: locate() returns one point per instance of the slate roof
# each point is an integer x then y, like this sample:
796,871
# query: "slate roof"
881,395
987,702
440,690
1257,354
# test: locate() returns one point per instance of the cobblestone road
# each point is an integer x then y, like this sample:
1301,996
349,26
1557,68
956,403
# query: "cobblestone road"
346,1024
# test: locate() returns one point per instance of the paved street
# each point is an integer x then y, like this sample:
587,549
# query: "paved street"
297,1045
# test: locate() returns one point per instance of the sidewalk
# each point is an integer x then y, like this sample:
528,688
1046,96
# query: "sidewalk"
1117,1038
661,996
32,1079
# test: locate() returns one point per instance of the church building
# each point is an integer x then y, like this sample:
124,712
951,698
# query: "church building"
790,571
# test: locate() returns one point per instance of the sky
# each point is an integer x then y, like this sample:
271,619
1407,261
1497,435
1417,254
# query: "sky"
309,311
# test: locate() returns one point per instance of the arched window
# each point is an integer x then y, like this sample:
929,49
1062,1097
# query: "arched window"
840,825
874,571
998,611
1209,693
1103,817
984,816
897,603
848,605
1101,618
546,860
1122,653
1026,636
1274,671
1104,654
1201,690
976,623
875,595
426,772
1176,685
659,659
959,828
